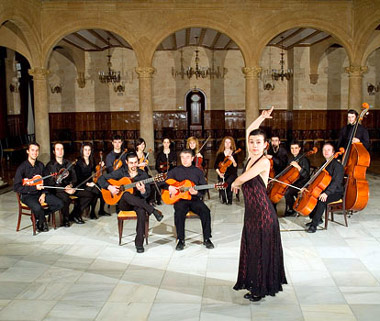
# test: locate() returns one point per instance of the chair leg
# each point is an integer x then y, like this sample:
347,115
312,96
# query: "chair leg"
146,229
18,221
120,226
327,218
345,217
33,219
53,222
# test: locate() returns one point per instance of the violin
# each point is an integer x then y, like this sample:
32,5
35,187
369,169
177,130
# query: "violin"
126,184
99,169
183,190
308,196
356,160
144,159
36,180
198,160
118,163
287,177
223,166
64,172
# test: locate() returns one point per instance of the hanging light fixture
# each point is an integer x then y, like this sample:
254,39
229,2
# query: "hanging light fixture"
110,76
198,72
216,72
282,74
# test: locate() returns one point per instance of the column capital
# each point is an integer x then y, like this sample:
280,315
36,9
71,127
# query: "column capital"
39,73
356,71
145,72
251,72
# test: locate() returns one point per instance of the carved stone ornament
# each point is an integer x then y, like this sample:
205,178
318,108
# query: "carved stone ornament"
251,72
39,73
314,78
81,80
145,72
356,70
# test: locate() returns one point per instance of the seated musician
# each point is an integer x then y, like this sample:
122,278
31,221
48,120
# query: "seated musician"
332,193
361,135
35,195
84,169
136,201
187,171
117,143
193,144
278,154
226,149
166,158
65,186
303,166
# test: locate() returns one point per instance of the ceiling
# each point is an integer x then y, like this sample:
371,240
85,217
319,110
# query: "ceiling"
99,40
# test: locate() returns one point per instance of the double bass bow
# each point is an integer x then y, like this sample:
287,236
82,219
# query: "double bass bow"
286,178
308,196
356,160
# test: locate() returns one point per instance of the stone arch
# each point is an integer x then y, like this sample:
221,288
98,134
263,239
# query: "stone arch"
371,47
200,23
336,31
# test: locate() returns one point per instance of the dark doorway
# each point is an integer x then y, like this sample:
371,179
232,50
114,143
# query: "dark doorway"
195,107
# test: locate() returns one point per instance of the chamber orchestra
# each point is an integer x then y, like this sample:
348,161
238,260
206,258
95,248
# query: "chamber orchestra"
127,179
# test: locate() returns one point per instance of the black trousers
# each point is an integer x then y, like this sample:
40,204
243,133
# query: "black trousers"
321,207
291,195
227,192
55,204
83,201
130,202
182,207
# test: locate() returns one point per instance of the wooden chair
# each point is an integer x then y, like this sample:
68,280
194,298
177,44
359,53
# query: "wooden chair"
130,215
24,209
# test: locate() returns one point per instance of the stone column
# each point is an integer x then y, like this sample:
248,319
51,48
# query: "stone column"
251,93
355,88
41,111
145,75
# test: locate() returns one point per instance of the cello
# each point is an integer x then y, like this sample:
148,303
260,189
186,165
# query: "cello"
356,160
285,178
308,196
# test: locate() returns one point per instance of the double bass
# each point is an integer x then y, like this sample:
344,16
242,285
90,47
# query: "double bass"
356,160
308,196
285,178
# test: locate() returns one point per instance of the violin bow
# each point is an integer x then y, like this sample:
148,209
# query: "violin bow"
204,144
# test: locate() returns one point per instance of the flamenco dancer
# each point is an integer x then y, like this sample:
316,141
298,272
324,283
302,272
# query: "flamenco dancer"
261,266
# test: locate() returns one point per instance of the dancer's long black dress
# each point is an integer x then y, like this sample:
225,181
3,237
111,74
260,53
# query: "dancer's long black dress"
261,267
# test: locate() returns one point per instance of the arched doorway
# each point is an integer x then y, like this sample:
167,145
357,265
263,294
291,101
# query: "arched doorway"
195,107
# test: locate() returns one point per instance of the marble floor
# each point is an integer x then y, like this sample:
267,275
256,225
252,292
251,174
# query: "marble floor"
80,273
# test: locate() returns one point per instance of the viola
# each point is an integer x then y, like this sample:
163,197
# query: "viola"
308,196
198,162
36,180
126,184
183,190
144,159
356,160
287,177
64,172
164,166
118,163
99,169
223,166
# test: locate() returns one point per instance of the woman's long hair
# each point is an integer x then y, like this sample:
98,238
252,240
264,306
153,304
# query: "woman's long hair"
192,138
91,158
221,146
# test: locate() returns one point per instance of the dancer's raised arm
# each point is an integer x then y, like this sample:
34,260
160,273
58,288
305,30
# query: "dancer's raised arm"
257,122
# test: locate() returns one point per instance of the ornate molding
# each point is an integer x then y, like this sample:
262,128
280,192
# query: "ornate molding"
145,72
39,73
356,71
251,72
81,80
314,78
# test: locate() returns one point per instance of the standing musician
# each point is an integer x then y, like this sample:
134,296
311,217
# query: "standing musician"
303,166
333,192
117,143
226,149
84,169
187,171
166,158
193,144
278,154
65,186
361,135
137,200
35,195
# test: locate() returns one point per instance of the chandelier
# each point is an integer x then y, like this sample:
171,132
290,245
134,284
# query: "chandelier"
216,72
198,72
110,76
282,74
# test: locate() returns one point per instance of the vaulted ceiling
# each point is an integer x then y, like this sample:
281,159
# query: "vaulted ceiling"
98,40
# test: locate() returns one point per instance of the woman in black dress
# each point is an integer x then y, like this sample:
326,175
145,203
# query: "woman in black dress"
261,267
166,158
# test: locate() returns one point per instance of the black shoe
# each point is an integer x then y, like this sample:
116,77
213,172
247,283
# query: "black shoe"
311,229
103,213
140,249
77,220
254,298
319,223
80,220
45,227
247,296
289,213
158,215
180,245
40,226
208,244
158,202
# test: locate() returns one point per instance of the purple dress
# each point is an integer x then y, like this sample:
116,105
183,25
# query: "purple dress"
261,266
